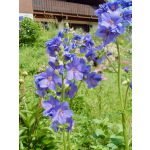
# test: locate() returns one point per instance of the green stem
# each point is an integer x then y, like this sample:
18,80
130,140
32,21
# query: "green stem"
69,141
111,64
64,138
122,108
63,93
126,97
126,48
71,101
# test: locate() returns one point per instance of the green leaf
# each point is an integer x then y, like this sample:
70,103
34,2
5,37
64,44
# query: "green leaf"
93,147
99,132
31,122
47,129
120,127
21,131
21,145
24,117
26,111
23,137
97,121
129,110
113,146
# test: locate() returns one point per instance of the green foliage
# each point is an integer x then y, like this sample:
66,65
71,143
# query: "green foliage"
106,135
34,130
30,30
88,133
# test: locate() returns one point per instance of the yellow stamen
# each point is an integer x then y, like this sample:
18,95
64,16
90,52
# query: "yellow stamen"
90,57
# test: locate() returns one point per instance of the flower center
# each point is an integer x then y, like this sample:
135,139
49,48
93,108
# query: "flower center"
90,57
49,78
74,70
61,113
92,81
113,7
111,22
57,43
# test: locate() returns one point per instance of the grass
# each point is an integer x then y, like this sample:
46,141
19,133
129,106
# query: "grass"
87,102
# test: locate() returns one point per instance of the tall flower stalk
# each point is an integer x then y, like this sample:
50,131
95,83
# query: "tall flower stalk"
63,98
121,101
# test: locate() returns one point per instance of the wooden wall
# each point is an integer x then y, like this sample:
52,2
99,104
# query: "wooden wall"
25,6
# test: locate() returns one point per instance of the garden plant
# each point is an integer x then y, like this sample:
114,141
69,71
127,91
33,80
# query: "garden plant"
70,77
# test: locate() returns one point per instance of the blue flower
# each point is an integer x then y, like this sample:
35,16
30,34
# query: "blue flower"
104,32
127,15
61,113
93,79
61,70
69,56
125,3
114,7
39,90
83,48
99,60
60,34
90,56
131,85
127,69
87,68
53,46
75,69
102,8
49,79
77,37
90,43
74,45
66,29
53,62
54,125
87,37
49,105
70,123
109,53
20,18
112,25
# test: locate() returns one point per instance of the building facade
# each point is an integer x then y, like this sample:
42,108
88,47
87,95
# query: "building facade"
78,13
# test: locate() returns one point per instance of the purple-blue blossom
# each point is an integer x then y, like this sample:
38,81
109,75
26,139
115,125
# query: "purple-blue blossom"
127,15
102,8
131,85
61,113
93,79
60,34
49,105
70,124
127,69
49,79
53,46
77,37
114,7
75,69
66,29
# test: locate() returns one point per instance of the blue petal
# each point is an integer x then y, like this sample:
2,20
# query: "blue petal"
78,76
70,75
50,71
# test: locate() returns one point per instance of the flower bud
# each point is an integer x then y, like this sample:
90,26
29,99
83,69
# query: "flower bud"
66,86
67,25
21,81
24,73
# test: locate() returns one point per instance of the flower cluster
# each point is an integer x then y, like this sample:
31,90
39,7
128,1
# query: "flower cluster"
63,60
59,113
113,20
